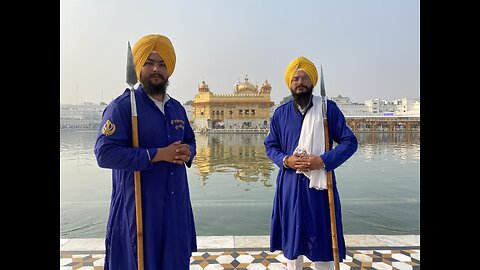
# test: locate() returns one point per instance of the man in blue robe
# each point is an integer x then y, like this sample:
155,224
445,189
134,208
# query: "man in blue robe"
166,146
300,217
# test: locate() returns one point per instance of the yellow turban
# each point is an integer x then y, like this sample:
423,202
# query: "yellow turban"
161,44
306,65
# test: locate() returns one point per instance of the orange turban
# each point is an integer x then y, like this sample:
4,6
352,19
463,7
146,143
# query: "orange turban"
304,64
146,44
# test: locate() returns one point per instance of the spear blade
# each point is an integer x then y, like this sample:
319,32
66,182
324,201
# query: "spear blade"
322,93
131,79
322,83
131,73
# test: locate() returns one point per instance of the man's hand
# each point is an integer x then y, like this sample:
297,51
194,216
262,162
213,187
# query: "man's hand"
305,162
182,153
176,152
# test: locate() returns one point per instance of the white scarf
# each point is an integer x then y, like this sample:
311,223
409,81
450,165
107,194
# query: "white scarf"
312,142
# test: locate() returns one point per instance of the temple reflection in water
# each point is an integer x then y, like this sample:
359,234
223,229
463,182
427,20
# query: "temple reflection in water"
242,155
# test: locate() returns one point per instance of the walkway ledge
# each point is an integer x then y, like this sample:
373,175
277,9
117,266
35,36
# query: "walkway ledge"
254,242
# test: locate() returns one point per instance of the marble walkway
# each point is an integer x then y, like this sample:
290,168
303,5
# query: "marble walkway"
364,252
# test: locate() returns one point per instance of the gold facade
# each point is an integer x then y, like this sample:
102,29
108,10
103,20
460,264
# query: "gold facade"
247,108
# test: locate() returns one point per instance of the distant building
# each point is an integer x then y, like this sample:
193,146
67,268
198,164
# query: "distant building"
350,108
407,106
84,116
188,108
379,107
248,107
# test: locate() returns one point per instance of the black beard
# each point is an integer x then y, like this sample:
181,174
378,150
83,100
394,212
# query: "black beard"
158,89
304,98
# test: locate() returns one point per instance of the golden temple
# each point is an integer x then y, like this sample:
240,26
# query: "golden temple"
247,108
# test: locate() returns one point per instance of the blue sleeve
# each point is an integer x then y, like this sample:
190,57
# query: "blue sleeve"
113,147
339,132
272,143
189,138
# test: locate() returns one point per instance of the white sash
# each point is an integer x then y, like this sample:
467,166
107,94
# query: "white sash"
312,141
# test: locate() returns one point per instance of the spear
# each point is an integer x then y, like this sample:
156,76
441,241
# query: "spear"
331,202
131,81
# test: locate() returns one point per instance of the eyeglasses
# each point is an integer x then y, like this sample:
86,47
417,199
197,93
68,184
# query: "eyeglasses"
296,79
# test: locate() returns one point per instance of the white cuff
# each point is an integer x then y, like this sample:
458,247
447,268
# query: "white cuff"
283,161
148,154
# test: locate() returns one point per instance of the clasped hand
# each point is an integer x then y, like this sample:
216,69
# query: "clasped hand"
178,153
305,162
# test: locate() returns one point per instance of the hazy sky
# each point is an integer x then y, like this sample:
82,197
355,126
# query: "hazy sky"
368,48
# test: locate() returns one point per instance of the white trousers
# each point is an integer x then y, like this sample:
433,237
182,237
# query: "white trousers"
297,264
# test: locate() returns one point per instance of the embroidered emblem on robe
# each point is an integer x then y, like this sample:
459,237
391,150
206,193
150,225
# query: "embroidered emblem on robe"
108,129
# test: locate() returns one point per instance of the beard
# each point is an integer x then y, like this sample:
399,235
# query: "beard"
302,98
155,89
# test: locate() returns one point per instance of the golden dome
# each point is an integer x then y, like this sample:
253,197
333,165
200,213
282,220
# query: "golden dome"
203,87
266,88
246,87
266,84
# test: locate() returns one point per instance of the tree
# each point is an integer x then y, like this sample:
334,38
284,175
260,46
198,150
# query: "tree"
286,99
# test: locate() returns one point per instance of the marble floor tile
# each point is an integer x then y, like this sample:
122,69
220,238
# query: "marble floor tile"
389,258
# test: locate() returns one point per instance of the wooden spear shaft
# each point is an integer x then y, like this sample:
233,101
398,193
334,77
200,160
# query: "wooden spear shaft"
132,80
331,203
138,198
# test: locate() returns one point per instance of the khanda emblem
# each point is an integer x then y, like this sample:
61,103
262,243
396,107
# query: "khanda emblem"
108,129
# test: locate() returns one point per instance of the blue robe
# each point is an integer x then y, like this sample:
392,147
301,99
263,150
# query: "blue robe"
168,225
300,216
